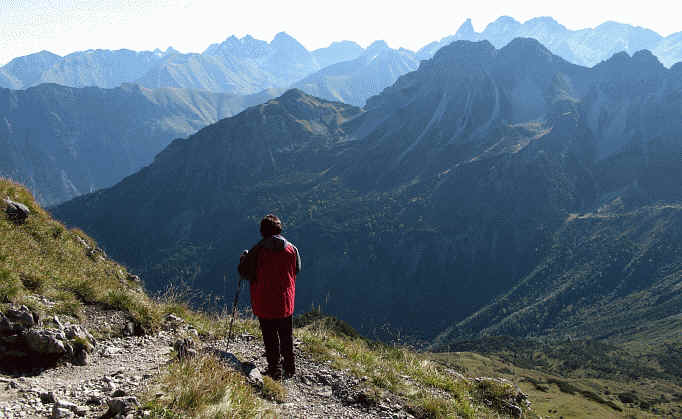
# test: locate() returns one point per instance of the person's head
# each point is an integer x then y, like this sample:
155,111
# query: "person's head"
270,225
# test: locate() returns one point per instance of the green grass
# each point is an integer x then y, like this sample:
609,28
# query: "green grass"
41,256
585,397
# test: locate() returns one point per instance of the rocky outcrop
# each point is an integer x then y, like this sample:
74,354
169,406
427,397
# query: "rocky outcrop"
26,345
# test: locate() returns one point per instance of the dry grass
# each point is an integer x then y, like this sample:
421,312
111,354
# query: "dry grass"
429,389
203,387
207,321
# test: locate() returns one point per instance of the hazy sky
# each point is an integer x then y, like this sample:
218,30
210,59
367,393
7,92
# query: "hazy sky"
64,26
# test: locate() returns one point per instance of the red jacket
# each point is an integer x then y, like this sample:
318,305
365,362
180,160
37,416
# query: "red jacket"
273,290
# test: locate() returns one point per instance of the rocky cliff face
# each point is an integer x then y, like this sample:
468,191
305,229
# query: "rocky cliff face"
448,191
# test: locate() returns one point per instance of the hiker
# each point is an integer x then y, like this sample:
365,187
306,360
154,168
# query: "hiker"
271,267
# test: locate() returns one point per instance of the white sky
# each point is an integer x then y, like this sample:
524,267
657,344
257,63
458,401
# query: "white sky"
64,26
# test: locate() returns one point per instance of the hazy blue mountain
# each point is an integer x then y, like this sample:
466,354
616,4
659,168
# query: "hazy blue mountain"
584,47
101,68
62,141
337,52
28,70
239,66
453,188
8,80
356,80
290,61
465,32
207,72
670,49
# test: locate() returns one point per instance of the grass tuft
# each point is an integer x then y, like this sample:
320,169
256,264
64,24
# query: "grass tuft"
274,390
204,387
10,287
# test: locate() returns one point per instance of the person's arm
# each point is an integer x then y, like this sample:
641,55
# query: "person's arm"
298,259
248,263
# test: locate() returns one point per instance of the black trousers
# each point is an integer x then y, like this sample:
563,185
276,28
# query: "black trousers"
279,341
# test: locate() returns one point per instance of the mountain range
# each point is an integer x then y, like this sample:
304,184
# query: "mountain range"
491,190
585,47
342,71
236,66
62,141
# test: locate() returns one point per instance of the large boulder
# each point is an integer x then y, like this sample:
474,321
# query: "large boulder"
17,320
22,317
47,342
26,345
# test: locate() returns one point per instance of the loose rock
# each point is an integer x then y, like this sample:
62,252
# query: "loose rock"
16,211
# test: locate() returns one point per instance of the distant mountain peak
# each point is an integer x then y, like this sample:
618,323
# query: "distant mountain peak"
465,51
641,64
525,43
645,56
507,20
543,19
466,29
377,46
285,41
344,42
283,36
293,94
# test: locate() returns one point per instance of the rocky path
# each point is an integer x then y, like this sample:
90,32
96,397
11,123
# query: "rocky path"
119,367
317,390
122,367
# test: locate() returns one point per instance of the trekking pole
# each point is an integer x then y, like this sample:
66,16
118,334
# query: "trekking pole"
234,311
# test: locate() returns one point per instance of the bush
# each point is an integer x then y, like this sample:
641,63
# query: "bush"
32,283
